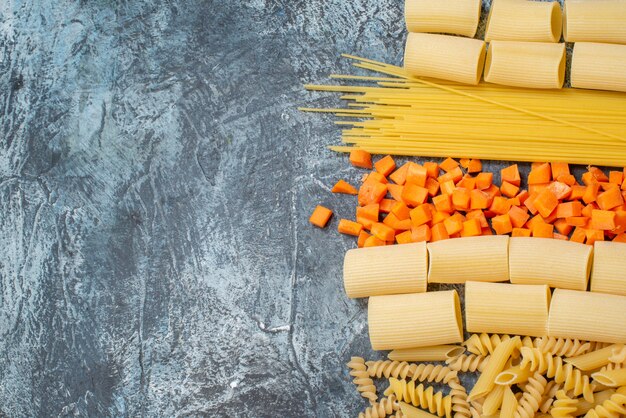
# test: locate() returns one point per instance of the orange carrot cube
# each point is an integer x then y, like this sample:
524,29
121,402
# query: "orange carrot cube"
421,215
511,175
579,235
509,189
448,165
372,241
404,238
569,209
320,216
360,158
518,216
603,220
432,168
385,165
399,176
461,198
421,233
438,232
521,232
371,192
383,232
414,195
540,174
502,224
362,237
546,202
610,199
344,187
417,175
543,230
484,180
349,227
471,228
443,203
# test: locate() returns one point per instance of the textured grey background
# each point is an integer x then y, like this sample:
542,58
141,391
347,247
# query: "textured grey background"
155,184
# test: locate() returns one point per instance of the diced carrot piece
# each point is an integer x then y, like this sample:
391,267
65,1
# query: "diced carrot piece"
578,192
383,232
367,215
514,201
616,177
594,235
551,218
560,190
518,216
421,215
568,209
479,199
414,195
438,232
608,186
587,209
487,231
563,227
432,185
533,221
448,165
620,221
375,176
543,230
535,165
598,174
530,203
320,216
395,191
610,199
448,187
492,191
401,210
480,216
511,175
537,188
344,187
521,232
432,168
464,162
568,179
457,174
386,205
603,220
559,169
439,217
420,233
522,196
559,236
502,224
475,166
471,228
385,165
362,237
509,189
579,235
620,238
443,203
416,174
393,222
453,224
484,180
500,205
577,221
540,174
404,237
399,176
546,202
461,198
467,182
360,158
349,227
372,241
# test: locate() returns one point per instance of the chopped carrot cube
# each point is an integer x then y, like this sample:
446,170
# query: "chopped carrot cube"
521,232
594,235
578,192
448,165
591,193
620,238
587,209
610,199
360,158
467,182
371,192
546,202
509,189
421,215
362,237
530,203
560,169
370,211
579,235
464,162
401,210
514,201
443,203
620,221
421,233
577,221
395,191
372,241
568,179
616,177
484,180
560,190
414,195
511,175
349,227
563,227
568,209
518,216
399,176
417,175
375,176
385,165
438,232
487,231
493,191
456,174
432,168
540,174
404,238
608,186
448,187
344,187
479,199
432,185
538,188
461,198
480,216
551,218
598,174
439,217
386,205
393,222
500,205
383,232
320,216
603,220
475,166
559,236
453,224
471,228
543,230
522,196
502,224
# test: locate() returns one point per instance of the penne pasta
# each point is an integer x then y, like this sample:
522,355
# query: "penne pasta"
431,353
509,403
482,258
594,21
507,308
557,263
593,360
499,358
611,378
414,320
445,57
409,411
587,316
523,20
582,406
493,401
598,66
608,272
513,375
456,17
386,270
535,65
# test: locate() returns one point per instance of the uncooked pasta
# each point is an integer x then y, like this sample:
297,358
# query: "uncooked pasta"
457,17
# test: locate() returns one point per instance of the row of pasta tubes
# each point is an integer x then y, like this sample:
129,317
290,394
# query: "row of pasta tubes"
523,36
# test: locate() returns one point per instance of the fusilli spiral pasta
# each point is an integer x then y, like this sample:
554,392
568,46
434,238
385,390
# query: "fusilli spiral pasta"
563,406
613,366
460,405
614,407
362,380
468,363
422,372
421,396
531,399
618,355
484,344
548,396
553,367
564,347
382,409
476,407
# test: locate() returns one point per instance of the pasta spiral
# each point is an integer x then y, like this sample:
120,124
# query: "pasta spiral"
564,347
460,405
564,406
420,396
531,399
614,407
468,363
422,372
613,366
618,355
382,409
553,367
548,396
362,380
484,344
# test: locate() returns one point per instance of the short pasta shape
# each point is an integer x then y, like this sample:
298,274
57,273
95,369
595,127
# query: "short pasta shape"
460,405
594,359
522,20
531,399
382,409
483,344
362,380
597,66
468,363
549,395
403,370
564,406
609,263
618,354
432,353
421,396
442,16
615,406
564,347
594,21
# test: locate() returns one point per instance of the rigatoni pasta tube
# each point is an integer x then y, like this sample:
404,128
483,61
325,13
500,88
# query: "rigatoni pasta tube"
523,20
500,308
414,320
389,270
457,17
594,21
587,316
432,353
446,57
608,272
535,65
483,258
599,66
557,263
499,358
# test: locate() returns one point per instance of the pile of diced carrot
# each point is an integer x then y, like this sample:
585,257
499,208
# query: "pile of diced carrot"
431,202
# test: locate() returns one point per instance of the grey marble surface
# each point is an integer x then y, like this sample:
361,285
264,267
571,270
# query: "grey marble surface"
155,184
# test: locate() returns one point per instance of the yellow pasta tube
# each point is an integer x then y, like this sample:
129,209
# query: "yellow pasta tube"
446,57
456,17
513,375
523,20
608,272
483,258
557,263
611,378
493,401
509,404
587,316
535,65
594,21
389,270
593,360
507,308
499,358
409,411
414,320
432,353
598,66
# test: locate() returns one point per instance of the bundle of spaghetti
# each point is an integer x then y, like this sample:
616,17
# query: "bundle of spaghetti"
405,115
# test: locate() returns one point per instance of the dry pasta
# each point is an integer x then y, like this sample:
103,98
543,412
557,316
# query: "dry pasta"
509,403
598,66
483,344
564,406
611,378
460,405
445,57
432,353
593,360
409,411
531,399
365,385
457,17
468,363
386,406
582,406
536,65
506,308
523,20
513,375
499,358
608,273
421,396
594,21
385,270
587,316
564,347
549,395
483,258
615,406
557,263
493,400
618,354
415,372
